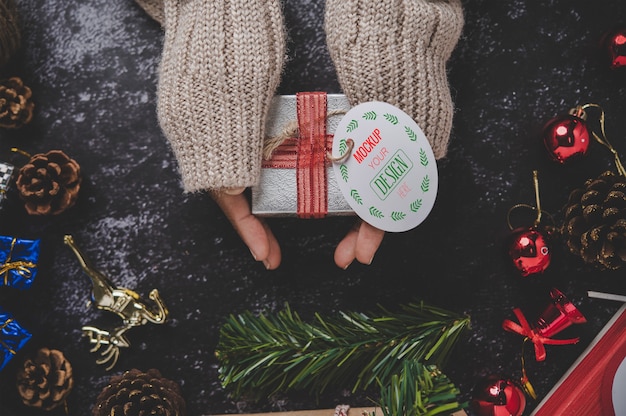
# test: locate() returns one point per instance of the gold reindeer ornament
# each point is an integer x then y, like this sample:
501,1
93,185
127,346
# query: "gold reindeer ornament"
123,302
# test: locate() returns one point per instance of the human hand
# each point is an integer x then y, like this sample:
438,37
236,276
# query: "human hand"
360,243
254,232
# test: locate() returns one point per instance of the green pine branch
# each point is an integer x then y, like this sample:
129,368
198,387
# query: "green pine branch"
265,354
419,390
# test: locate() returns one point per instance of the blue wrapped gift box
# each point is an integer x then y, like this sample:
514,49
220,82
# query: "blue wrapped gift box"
18,262
12,337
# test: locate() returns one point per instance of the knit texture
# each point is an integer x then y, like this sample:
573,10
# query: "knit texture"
220,67
154,8
396,51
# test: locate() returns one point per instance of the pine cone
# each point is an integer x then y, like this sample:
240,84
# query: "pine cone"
595,221
136,393
46,380
16,105
10,35
49,183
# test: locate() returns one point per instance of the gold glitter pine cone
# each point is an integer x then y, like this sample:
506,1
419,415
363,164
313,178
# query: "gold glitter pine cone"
16,105
10,33
595,221
137,393
49,183
46,380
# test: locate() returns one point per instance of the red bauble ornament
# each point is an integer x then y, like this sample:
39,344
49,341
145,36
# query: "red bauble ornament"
495,396
530,251
614,43
566,137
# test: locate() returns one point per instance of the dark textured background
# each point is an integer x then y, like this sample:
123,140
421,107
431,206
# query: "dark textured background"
92,66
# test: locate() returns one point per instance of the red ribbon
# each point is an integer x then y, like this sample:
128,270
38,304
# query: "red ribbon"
524,329
307,154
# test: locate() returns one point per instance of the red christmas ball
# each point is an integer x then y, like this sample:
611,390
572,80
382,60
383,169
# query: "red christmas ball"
529,250
495,396
566,137
614,43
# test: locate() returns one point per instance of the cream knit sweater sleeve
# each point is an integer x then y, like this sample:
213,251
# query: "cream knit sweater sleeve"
396,51
220,67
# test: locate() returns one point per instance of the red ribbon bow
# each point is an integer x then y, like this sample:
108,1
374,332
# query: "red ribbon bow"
524,329
307,154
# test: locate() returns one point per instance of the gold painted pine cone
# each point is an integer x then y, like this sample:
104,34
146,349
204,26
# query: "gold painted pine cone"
137,393
595,221
10,33
49,183
16,105
46,380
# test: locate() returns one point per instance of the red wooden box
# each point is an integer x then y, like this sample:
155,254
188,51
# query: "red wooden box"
591,385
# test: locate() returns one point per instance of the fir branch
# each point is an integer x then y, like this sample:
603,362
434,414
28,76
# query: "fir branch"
419,390
262,355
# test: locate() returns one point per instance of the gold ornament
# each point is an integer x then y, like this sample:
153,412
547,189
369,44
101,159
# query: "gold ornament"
123,302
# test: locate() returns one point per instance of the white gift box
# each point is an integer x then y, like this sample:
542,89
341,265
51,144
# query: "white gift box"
276,194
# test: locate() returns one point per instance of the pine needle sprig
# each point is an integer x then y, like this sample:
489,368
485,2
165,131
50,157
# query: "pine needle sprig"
262,355
419,390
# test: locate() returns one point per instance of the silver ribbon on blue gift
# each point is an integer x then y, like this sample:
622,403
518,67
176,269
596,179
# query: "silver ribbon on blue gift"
18,262
12,337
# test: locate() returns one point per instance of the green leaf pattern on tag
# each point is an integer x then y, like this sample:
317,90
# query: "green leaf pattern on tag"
425,184
343,146
411,133
370,115
423,157
415,205
391,118
344,172
355,195
375,212
398,216
353,125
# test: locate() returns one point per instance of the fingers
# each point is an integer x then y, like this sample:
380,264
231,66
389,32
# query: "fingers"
369,240
272,261
345,252
361,243
255,233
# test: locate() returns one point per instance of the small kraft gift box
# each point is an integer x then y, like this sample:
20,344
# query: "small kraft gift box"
18,262
12,337
297,177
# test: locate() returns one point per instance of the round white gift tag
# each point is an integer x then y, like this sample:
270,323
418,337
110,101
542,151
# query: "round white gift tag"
390,177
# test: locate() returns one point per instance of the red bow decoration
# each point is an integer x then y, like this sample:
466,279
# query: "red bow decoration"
307,154
524,329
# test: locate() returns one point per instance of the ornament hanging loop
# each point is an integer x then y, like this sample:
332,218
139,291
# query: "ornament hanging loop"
579,111
537,199
21,152
536,208
525,381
